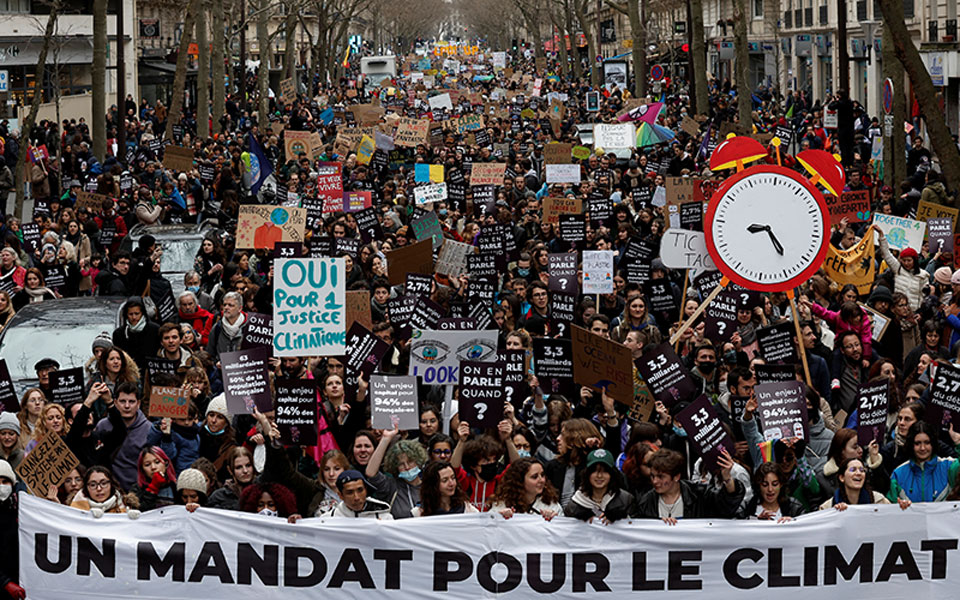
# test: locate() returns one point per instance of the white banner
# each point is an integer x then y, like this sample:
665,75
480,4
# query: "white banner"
563,173
683,249
309,307
901,232
617,135
436,192
875,552
598,271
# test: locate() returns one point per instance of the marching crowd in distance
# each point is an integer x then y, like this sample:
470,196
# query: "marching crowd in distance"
577,454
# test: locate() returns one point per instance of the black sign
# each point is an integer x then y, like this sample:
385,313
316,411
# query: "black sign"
945,391
296,411
257,331
637,250
156,365
425,313
457,324
287,250
562,312
31,237
344,245
166,308
554,364
54,276
783,410
368,224
482,287
400,309
705,431
660,301
573,228
774,373
720,318
515,376
776,343
418,284
872,402
364,350
483,265
246,383
691,216
321,246
481,393
666,376
563,273
600,209
638,272
66,386
8,395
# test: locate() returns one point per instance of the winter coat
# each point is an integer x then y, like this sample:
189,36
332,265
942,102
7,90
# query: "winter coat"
699,501
839,326
935,193
373,509
584,508
182,444
905,282
202,322
400,495
124,463
139,345
789,507
927,482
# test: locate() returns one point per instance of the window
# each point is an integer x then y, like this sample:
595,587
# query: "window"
757,9
15,6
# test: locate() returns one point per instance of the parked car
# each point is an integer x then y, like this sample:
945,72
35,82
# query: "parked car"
180,244
61,329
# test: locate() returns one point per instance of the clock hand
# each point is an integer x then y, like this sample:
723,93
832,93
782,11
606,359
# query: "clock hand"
755,228
776,243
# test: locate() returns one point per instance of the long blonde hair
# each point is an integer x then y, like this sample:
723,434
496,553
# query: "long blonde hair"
25,430
8,312
41,431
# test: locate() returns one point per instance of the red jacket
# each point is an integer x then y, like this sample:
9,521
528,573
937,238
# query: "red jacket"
202,322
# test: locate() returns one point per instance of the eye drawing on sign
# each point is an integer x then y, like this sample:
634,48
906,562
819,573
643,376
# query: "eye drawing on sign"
478,350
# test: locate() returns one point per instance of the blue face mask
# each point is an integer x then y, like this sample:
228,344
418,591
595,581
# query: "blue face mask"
410,474
523,453
679,431
194,288
523,272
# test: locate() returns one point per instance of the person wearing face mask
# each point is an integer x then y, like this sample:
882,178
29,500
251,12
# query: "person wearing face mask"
9,532
269,500
217,435
480,472
192,489
403,462
191,283
704,369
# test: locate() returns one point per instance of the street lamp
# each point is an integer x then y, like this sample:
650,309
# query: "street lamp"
869,28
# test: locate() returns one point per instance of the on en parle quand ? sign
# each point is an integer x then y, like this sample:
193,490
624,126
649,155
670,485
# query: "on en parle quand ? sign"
309,306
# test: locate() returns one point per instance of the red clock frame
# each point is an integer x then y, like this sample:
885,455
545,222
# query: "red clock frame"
729,272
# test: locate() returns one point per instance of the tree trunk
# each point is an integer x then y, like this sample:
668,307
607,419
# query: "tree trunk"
531,18
638,32
217,71
894,146
592,49
180,76
121,87
561,44
843,51
263,73
927,95
699,51
27,124
290,42
203,79
574,46
98,72
744,103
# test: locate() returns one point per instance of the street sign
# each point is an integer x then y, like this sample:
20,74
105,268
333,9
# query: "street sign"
599,58
830,119
888,95
656,72
4,81
888,125
628,43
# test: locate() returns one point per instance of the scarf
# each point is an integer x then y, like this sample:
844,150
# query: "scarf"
586,501
898,439
138,328
841,496
106,505
36,294
233,331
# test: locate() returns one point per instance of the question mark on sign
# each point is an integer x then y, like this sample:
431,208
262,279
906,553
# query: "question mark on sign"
721,327
563,282
744,297
509,391
562,327
481,408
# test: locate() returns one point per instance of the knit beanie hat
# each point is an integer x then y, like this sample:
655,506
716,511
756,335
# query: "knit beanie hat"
942,275
7,471
104,340
219,405
908,253
192,479
9,422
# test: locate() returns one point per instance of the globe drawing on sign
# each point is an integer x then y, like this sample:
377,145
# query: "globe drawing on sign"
897,238
429,353
475,351
279,216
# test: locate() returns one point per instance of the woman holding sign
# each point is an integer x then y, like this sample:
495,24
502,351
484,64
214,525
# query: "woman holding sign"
908,279
403,461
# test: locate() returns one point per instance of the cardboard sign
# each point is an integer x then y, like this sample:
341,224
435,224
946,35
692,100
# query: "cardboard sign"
441,101
598,272
928,210
782,410
48,464
776,343
901,232
169,402
178,158
66,386
436,355
358,309
487,174
414,258
309,300
940,232
88,200
260,226
393,402
296,411
288,90
557,153
554,363
872,402
257,331
665,375
563,173
246,380
563,273
602,364
854,206
411,132
553,208
705,431
452,260
482,393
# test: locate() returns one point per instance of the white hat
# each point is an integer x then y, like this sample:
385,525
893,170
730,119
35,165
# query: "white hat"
192,479
219,405
9,422
7,471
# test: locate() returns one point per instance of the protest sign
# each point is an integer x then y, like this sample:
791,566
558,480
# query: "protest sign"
514,375
612,136
257,331
296,143
260,226
720,317
66,386
296,411
482,393
562,313
178,158
418,284
368,225
598,272
47,464
573,228
393,402
482,264
411,132
878,322
776,343
414,258
929,210
557,153
945,388
355,201
872,406
602,364
169,402
288,90
441,101
782,410
427,227
308,307
487,174
330,186
679,190
691,216
425,313
9,401
246,380
853,206
580,152
88,200
563,173
457,324
287,250
563,272
854,265
435,355
554,208
940,232
452,260
436,192
156,365
665,375
660,300
900,232
358,309
703,427
364,351
774,373
554,362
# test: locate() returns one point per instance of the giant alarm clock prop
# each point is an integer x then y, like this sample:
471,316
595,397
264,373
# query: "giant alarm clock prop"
767,227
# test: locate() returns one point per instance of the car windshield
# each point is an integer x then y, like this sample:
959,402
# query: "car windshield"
178,255
74,328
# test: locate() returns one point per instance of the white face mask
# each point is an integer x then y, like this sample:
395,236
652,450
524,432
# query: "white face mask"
268,512
5,491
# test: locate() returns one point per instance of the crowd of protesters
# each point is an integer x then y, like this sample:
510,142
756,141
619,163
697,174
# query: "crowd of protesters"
576,455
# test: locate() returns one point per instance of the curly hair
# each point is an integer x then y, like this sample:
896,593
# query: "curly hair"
575,433
128,368
430,489
511,490
761,475
283,498
41,431
411,449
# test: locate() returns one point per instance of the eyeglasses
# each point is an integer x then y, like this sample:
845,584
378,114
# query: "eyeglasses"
442,452
98,485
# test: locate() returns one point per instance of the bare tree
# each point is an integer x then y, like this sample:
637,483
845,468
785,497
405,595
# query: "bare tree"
98,73
593,49
180,75
894,146
217,53
699,53
743,67
203,78
531,11
633,9
263,73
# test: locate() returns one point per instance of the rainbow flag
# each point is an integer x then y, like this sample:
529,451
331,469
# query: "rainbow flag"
766,450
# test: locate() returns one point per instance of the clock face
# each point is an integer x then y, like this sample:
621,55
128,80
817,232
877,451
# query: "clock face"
767,229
